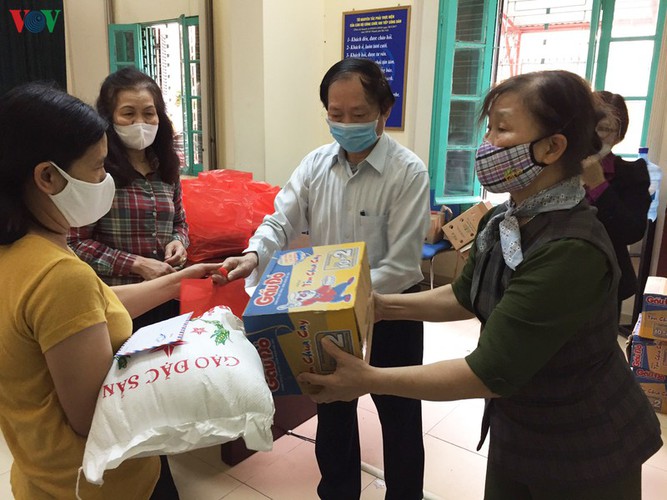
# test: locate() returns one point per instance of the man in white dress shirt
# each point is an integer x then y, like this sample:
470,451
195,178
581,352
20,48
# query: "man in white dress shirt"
363,187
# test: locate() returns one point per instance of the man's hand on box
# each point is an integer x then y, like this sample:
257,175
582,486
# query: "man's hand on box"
240,267
348,382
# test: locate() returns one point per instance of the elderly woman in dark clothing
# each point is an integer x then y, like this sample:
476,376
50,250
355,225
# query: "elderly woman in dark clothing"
617,188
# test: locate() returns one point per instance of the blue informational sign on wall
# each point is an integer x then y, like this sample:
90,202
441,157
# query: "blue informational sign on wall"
382,35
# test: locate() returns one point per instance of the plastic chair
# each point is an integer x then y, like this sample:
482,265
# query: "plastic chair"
429,251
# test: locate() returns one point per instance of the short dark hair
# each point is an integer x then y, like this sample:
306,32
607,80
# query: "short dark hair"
372,78
614,105
561,102
118,163
38,123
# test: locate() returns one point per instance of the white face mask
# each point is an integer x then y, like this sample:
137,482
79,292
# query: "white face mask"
83,203
136,136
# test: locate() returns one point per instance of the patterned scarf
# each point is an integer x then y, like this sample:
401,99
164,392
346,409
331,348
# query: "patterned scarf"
561,196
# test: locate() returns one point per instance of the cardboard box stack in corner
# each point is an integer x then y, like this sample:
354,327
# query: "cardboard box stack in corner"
461,231
303,296
648,351
438,220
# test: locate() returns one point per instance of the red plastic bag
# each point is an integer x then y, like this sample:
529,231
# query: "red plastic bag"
223,210
200,295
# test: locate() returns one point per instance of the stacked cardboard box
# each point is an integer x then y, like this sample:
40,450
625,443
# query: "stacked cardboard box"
438,220
655,388
303,296
648,351
648,354
434,233
461,230
654,309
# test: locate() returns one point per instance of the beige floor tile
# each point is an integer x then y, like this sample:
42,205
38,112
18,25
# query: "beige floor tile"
245,492
462,426
452,472
370,437
197,480
308,428
366,403
262,460
433,412
367,479
654,483
294,477
6,458
376,490
5,488
6,461
451,340
211,456
659,460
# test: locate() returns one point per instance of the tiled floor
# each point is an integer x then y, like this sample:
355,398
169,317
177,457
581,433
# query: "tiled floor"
454,470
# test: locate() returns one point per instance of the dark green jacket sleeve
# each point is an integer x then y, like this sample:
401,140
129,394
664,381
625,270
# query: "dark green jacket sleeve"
550,295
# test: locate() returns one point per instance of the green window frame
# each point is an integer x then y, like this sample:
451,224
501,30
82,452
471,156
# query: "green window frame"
124,47
193,134
464,61
596,69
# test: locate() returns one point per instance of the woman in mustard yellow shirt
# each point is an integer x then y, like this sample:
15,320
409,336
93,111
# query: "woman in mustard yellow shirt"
59,323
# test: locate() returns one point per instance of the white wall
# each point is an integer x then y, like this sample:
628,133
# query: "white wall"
87,48
293,68
239,88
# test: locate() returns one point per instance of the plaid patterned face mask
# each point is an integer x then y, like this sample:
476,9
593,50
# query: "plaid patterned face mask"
505,170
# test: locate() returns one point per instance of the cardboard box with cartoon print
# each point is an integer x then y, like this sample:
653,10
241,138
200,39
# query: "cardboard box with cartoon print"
303,296
647,354
654,309
654,386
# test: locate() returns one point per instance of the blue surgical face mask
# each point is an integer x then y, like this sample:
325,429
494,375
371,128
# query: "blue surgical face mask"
354,137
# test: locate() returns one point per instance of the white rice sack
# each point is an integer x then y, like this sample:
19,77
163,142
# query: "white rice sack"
207,390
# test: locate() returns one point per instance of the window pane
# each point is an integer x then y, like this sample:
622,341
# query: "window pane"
179,146
467,67
541,12
462,123
634,18
124,46
470,16
196,114
458,173
197,152
541,35
195,79
193,37
632,141
625,59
